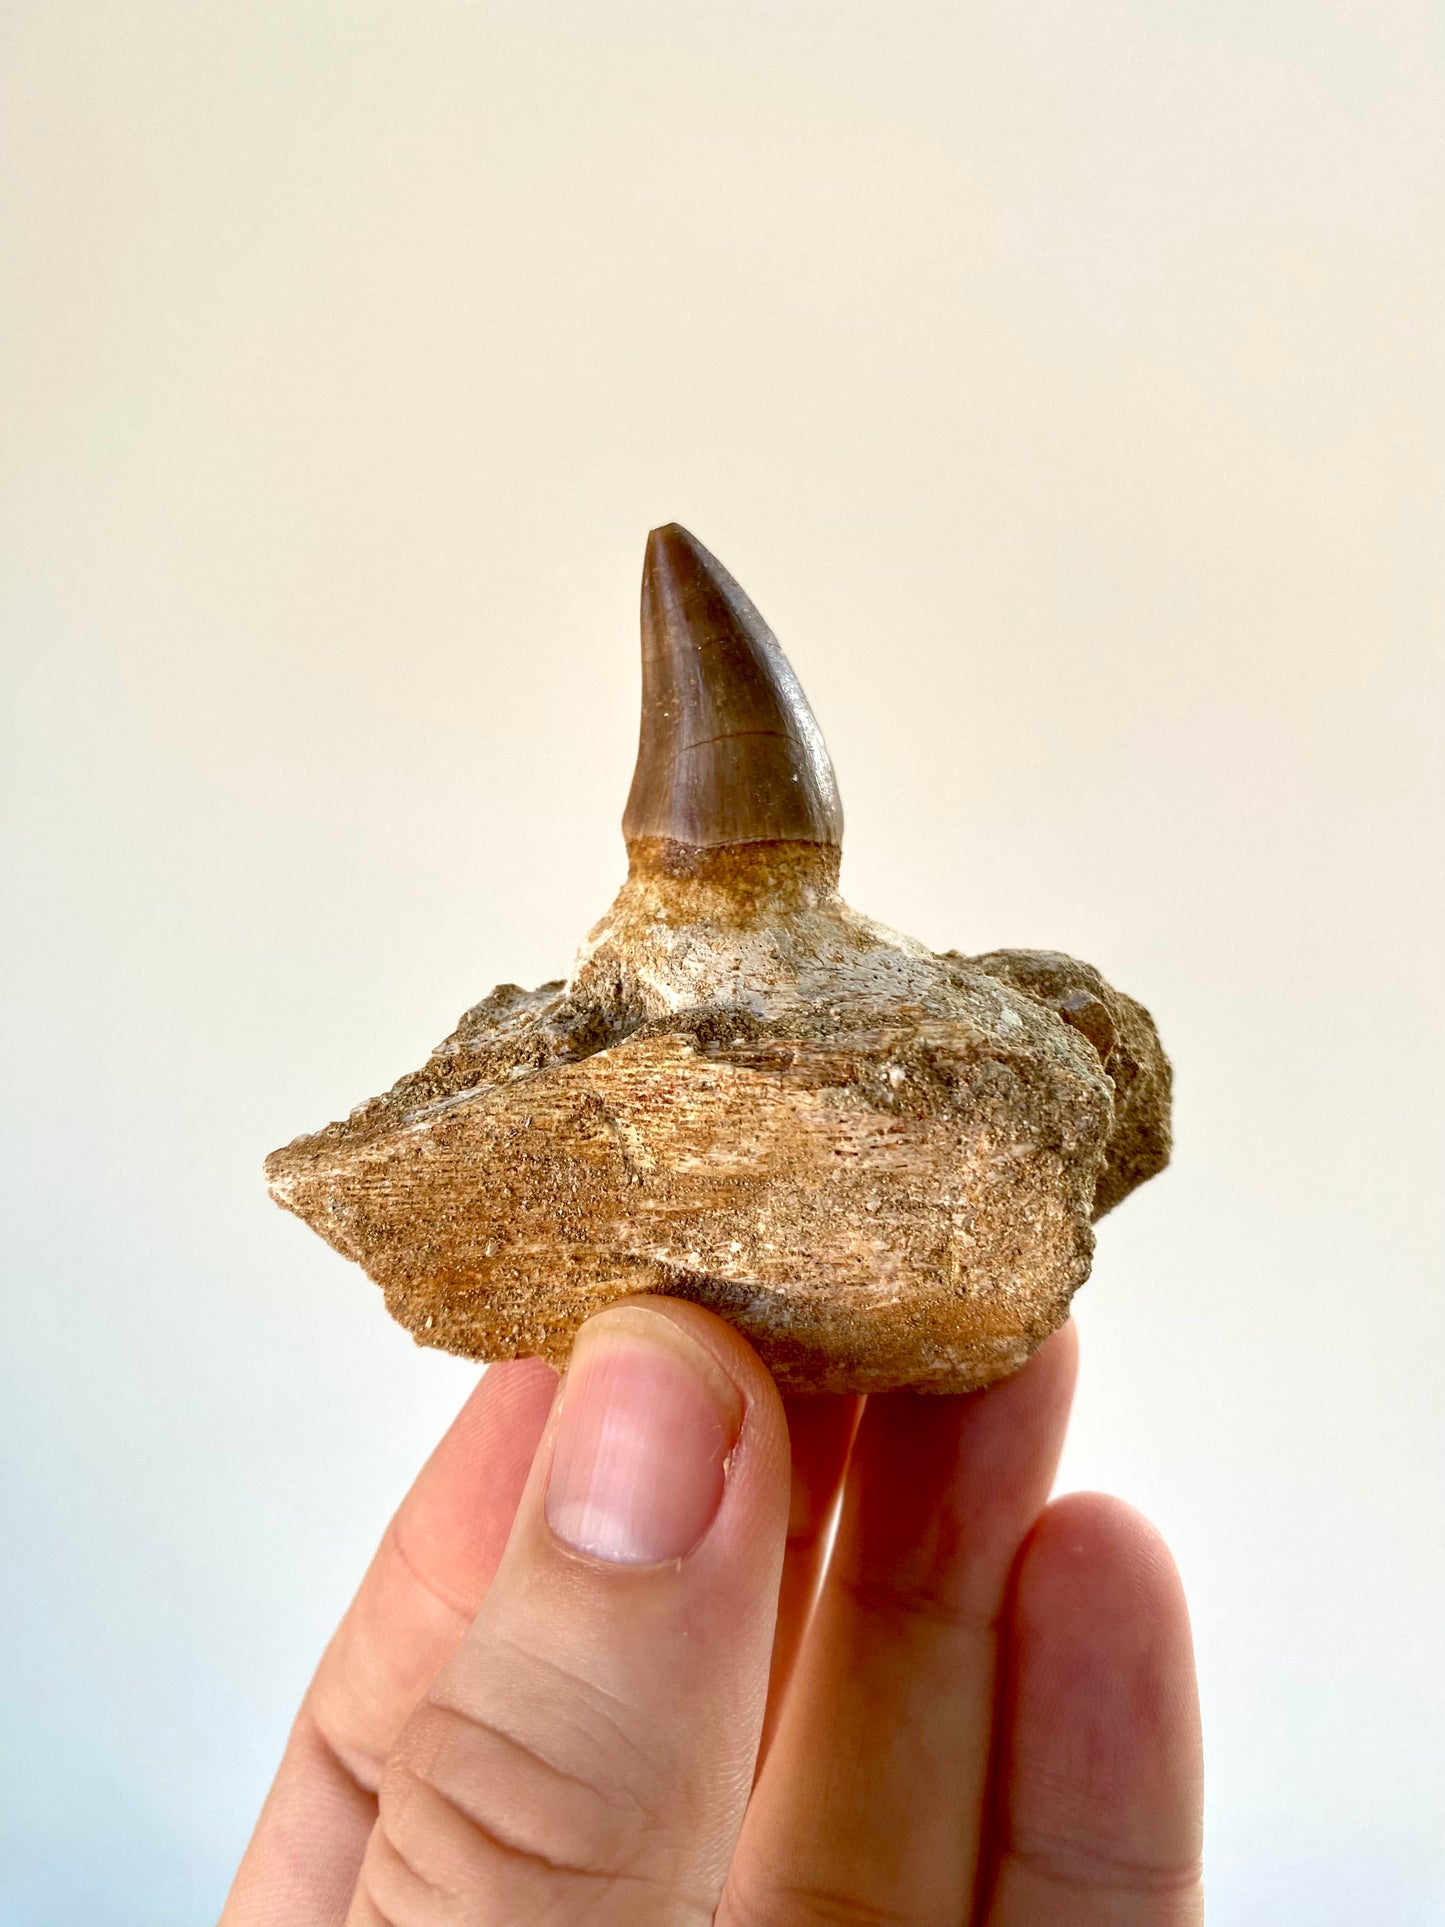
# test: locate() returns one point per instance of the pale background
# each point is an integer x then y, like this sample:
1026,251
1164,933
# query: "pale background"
1064,381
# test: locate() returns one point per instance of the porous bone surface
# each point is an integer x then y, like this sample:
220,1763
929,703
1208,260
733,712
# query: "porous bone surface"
881,1164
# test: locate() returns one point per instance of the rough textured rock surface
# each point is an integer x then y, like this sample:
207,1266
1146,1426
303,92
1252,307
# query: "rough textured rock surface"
1123,1033
886,1181
880,1163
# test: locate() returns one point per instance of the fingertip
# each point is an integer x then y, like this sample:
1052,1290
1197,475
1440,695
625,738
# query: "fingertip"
454,1521
496,1431
507,1391
1051,1374
1090,1551
1102,1709
1100,1607
1064,1347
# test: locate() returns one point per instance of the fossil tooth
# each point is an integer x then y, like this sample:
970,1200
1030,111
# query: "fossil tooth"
880,1162
729,751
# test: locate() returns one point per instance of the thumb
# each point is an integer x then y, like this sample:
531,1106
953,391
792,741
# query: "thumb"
588,1752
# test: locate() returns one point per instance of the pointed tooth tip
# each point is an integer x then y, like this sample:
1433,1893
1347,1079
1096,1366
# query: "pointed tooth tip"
672,548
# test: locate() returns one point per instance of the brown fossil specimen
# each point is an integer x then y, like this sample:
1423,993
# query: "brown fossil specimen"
880,1163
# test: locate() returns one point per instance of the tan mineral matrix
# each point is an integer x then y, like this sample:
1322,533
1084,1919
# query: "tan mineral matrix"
881,1163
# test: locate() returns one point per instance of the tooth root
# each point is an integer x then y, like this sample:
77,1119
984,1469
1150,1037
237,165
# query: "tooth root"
729,751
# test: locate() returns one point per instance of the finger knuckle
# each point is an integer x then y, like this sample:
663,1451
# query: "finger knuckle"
475,1804
1077,1834
933,1604
1093,1868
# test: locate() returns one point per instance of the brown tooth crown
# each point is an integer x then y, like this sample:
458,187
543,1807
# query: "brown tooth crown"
729,751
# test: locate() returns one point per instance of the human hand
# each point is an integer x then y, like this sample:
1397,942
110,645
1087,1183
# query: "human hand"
544,1703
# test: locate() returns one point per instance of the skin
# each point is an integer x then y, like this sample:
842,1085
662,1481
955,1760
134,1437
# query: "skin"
981,1714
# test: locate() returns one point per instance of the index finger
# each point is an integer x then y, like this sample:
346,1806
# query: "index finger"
419,1595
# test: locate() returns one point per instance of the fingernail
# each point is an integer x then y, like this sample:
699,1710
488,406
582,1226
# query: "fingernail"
648,1420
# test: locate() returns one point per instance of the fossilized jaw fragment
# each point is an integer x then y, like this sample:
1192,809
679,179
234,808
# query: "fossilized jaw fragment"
881,1163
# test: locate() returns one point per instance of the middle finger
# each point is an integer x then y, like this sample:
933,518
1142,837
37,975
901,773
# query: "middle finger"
870,1803
820,1433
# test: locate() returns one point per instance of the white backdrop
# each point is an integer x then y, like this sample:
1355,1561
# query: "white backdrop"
1064,383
